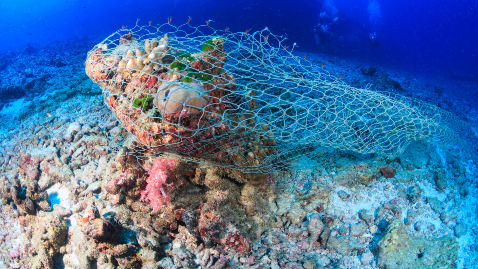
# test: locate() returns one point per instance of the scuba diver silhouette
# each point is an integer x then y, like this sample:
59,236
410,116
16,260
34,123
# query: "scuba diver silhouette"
321,31
373,39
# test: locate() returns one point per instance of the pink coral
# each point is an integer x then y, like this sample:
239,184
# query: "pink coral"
15,252
155,191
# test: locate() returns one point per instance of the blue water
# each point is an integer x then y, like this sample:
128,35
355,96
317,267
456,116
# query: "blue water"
436,37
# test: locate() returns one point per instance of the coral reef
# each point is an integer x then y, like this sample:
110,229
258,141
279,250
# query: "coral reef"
208,200
173,100
78,191
243,101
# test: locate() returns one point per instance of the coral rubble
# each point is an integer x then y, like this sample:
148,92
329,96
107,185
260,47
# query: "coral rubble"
79,191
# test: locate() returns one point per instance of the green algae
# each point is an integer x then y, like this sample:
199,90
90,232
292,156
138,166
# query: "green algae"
208,45
144,102
186,56
177,65
192,75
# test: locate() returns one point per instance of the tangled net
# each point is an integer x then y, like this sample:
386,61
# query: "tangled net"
244,101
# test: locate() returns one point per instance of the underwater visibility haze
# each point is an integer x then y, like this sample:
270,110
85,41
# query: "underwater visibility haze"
238,134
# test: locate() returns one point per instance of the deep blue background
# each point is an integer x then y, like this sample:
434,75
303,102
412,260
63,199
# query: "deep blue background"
437,37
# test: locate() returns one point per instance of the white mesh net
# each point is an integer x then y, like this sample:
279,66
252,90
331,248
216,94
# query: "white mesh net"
245,101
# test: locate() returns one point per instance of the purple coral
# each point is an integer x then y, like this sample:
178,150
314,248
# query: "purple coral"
155,191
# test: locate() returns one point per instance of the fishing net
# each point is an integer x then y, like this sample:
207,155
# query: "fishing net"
246,101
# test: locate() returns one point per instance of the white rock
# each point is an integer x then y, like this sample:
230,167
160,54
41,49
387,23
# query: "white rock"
86,128
71,131
366,258
297,214
323,260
